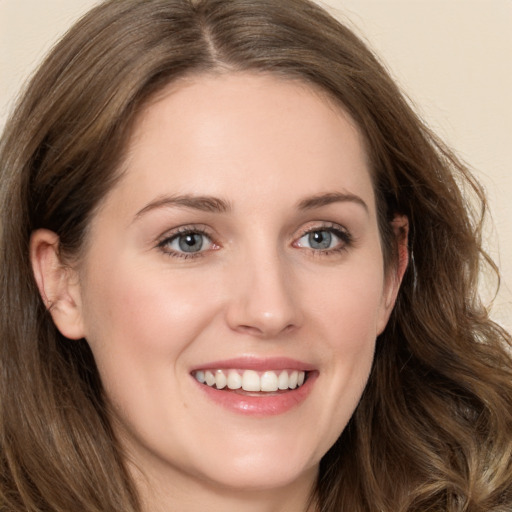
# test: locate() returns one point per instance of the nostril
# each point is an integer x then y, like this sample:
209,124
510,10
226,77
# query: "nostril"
264,332
250,329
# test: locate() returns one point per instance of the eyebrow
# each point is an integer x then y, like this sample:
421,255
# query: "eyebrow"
317,201
213,204
201,203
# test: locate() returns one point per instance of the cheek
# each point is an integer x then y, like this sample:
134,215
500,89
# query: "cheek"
350,318
352,303
346,316
139,321
135,304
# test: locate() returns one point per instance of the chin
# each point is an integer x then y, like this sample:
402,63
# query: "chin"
262,468
261,476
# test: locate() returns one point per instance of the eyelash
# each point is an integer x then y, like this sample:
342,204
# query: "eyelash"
180,232
346,240
345,237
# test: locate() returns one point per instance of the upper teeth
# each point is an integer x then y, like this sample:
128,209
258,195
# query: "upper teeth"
250,380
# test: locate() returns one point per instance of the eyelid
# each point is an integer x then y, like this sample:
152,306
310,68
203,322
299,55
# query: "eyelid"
183,229
323,226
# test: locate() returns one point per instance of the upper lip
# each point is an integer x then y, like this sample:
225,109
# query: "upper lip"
257,364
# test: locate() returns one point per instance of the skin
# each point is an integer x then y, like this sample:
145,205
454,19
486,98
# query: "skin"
258,287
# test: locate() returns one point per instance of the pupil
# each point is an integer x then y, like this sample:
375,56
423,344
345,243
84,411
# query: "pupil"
191,242
320,239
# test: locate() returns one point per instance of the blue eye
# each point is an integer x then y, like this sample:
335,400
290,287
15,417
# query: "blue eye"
191,242
324,239
186,243
320,239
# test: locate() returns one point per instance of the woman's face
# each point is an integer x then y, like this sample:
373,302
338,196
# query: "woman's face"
240,247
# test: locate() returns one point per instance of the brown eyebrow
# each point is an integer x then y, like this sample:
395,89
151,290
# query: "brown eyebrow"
320,200
216,205
202,203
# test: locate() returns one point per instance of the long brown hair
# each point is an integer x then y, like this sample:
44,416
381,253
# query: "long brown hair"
433,430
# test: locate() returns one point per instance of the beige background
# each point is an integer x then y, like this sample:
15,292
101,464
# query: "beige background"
453,58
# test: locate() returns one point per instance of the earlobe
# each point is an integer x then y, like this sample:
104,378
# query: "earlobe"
58,283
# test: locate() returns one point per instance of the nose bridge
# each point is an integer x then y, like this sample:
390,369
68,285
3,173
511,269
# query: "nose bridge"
263,301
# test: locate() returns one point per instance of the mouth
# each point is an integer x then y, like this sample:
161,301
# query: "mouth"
251,381
256,386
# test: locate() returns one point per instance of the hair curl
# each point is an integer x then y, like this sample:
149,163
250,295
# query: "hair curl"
433,429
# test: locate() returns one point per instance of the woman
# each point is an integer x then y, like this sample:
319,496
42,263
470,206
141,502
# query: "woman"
239,273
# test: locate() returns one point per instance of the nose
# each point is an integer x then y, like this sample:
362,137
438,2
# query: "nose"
263,298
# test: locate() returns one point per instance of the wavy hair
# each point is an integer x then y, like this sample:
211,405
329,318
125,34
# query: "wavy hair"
433,429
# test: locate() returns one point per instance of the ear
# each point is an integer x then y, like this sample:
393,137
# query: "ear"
400,225
58,283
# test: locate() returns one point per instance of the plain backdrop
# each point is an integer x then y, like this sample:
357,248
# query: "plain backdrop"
453,59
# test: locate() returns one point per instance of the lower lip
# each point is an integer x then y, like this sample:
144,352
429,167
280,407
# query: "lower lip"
260,405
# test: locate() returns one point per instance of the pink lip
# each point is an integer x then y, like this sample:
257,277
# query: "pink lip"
264,404
257,364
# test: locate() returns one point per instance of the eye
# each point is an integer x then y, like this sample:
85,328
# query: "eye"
319,240
186,243
324,239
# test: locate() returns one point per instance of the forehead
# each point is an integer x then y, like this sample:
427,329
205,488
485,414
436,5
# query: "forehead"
248,135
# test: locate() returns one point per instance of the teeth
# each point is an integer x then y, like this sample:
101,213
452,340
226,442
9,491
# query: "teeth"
209,378
282,381
234,380
220,379
293,379
250,380
268,382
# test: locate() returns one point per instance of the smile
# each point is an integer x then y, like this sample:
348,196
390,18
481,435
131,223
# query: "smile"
269,381
254,385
